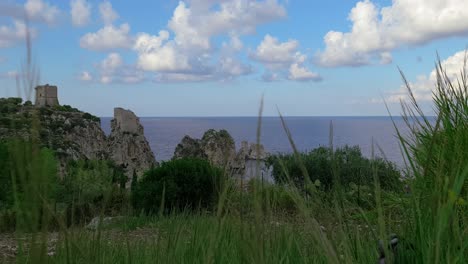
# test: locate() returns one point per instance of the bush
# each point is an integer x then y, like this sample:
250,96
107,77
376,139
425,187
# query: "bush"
28,178
91,117
66,108
348,164
178,184
92,187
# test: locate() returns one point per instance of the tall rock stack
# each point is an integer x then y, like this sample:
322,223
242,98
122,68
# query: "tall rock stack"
127,144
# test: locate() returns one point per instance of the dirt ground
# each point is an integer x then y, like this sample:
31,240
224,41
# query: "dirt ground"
9,242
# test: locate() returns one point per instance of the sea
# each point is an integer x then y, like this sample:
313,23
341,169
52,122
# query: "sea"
369,133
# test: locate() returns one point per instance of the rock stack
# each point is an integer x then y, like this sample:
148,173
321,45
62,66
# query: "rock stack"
127,145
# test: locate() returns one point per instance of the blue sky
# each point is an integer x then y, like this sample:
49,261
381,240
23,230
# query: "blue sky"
217,57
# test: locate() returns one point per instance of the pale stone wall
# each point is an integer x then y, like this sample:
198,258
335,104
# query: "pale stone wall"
126,121
46,95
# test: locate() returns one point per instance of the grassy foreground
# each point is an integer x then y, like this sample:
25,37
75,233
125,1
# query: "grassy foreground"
430,219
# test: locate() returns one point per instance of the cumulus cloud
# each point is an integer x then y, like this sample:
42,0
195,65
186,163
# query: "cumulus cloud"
38,10
189,54
300,73
15,31
280,57
108,14
108,38
377,31
274,54
185,50
424,85
156,54
113,70
80,12
10,35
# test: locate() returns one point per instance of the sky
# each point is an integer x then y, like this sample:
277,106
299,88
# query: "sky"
219,57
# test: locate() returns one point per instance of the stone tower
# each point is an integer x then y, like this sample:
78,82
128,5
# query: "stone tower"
46,95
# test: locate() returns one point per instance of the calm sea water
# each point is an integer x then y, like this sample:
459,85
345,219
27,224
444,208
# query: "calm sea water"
164,133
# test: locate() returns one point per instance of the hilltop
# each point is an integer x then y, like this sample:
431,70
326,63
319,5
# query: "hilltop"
76,135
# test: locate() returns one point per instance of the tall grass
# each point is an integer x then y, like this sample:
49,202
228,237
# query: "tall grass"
437,151
431,224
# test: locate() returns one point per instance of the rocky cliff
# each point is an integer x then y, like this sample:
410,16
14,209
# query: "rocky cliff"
75,135
127,145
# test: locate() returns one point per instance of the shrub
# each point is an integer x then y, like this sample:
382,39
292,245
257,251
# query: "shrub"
66,108
347,162
91,117
6,196
28,180
91,187
178,184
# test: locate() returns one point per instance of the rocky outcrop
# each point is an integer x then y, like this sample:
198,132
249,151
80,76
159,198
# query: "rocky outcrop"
219,148
216,146
189,147
75,135
127,145
249,152
251,163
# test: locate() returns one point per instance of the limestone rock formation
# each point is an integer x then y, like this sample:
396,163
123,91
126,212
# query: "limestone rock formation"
189,147
249,152
75,135
127,144
219,148
251,162
216,146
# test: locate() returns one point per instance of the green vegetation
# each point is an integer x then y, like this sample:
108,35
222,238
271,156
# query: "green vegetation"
329,206
179,184
353,168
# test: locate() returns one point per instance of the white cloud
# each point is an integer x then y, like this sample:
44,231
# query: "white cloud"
10,35
112,62
108,14
156,54
424,85
283,58
113,70
15,32
275,54
300,73
375,32
195,25
191,52
86,76
108,38
185,51
183,77
386,58
38,10
80,12
231,67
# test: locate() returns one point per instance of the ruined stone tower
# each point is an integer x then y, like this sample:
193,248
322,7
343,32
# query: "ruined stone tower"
46,95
